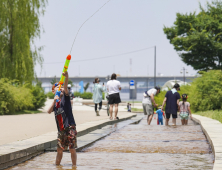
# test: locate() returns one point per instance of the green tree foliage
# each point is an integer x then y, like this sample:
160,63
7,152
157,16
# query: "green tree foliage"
15,97
39,97
19,26
204,93
198,37
70,82
86,87
54,80
50,95
85,95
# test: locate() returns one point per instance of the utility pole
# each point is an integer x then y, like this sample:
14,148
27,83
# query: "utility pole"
154,66
184,71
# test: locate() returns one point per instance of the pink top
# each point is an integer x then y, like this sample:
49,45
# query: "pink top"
184,107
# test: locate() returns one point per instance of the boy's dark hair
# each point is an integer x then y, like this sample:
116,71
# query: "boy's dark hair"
113,77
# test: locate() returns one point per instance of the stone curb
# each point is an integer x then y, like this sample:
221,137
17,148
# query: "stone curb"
213,130
17,152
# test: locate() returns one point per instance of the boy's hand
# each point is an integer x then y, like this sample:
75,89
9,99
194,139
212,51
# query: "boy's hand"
65,74
191,117
56,97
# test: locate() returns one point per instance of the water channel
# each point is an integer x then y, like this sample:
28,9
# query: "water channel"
138,146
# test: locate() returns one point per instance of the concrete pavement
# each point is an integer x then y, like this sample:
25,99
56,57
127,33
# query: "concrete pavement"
213,131
20,127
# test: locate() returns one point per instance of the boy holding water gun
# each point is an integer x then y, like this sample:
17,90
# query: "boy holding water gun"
160,114
66,125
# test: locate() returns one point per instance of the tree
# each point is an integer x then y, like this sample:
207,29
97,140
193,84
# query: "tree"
198,37
19,26
86,87
70,82
54,80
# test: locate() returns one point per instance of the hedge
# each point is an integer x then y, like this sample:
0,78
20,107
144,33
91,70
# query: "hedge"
16,97
85,95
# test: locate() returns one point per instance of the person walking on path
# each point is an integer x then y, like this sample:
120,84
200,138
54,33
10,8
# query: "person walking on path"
160,115
171,100
65,122
98,95
184,108
148,99
70,94
113,88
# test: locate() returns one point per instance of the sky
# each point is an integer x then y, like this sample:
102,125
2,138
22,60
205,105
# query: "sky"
121,26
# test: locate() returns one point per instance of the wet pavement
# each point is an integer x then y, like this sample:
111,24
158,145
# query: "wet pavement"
138,146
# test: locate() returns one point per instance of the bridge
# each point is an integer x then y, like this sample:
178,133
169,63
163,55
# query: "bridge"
143,82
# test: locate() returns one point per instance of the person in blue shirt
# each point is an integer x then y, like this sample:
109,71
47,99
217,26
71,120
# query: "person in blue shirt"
160,115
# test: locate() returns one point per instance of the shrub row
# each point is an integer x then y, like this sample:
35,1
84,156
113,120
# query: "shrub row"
16,97
204,93
85,95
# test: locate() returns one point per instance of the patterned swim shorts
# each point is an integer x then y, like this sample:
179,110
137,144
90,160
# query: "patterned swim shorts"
67,138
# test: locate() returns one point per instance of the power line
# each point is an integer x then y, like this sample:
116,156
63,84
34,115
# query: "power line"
85,22
97,58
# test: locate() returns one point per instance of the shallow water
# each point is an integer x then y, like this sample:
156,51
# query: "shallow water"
138,147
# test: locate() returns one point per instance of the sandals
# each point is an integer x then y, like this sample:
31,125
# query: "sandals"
116,118
110,118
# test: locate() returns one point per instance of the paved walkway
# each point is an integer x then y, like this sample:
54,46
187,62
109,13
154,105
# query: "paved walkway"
213,130
19,127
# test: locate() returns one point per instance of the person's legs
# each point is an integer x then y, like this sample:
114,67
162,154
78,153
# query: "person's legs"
73,156
167,119
95,107
144,109
160,121
100,105
149,119
59,156
174,121
183,121
71,103
111,110
116,110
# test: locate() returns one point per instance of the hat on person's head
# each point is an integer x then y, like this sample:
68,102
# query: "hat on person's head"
69,85
176,86
145,94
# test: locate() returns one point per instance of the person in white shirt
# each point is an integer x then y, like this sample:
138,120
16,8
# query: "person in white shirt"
113,88
148,99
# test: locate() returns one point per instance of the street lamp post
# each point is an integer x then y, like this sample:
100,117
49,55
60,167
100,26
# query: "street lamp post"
154,66
184,71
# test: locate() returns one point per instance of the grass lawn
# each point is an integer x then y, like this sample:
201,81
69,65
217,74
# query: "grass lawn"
136,110
27,112
217,115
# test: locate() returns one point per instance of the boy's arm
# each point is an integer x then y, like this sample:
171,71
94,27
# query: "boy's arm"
66,82
53,104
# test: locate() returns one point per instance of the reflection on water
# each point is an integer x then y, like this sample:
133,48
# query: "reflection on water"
138,147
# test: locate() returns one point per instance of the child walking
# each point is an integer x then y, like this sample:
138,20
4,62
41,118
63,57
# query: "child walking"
160,115
184,108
